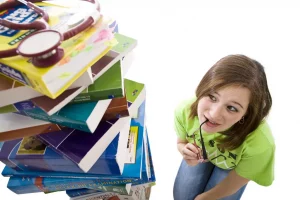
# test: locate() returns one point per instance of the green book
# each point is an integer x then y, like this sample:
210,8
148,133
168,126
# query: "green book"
107,86
135,95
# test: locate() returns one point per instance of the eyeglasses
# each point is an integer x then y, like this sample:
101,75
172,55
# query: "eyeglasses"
202,142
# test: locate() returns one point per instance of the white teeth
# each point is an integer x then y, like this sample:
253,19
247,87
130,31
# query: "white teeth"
212,122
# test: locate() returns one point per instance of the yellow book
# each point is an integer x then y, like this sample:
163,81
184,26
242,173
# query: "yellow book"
80,52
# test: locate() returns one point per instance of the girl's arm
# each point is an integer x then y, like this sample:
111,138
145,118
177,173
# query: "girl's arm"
230,185
180,145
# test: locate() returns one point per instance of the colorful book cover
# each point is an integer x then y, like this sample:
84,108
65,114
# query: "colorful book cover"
52,164
14,126
80,52
90,147
83,116
137,185
49,105
107,86
51,161
25,185
86,116
135,94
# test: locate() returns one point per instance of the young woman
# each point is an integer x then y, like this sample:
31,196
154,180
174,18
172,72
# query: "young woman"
222,133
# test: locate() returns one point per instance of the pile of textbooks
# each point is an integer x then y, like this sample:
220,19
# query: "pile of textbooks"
77,126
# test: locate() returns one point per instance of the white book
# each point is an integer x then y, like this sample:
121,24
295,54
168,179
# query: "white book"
12,92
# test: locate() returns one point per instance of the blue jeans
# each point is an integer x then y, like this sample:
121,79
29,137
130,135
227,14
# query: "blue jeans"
194,180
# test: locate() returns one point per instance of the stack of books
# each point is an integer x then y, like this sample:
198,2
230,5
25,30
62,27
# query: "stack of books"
78,126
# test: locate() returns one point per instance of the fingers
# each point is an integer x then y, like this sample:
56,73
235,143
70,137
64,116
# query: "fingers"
202,160
192,148
190,152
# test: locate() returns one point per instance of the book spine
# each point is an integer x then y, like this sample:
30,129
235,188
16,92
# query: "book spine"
29,79
42,185
38,113
80,192
14,74
97,95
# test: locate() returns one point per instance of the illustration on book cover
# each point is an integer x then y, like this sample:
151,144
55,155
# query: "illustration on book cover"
31,145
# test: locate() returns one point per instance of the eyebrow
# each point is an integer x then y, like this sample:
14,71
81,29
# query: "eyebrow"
232,101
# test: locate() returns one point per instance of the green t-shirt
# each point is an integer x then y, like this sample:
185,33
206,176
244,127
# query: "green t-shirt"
253,160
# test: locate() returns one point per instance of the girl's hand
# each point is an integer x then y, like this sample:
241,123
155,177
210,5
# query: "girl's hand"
192,155
201,156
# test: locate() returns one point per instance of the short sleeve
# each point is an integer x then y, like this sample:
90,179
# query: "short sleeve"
179,123
258,168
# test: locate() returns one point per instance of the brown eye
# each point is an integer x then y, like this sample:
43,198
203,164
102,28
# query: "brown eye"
232,109
213,98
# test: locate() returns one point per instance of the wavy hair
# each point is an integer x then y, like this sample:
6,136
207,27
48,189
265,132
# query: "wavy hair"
242,71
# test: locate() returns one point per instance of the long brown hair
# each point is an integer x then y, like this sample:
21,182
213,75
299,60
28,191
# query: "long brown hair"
242,71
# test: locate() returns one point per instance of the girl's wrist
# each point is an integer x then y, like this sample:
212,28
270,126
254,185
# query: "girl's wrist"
180,147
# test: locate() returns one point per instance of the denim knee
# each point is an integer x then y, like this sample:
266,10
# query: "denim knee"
191,180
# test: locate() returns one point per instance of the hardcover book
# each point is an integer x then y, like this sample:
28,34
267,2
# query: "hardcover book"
81,52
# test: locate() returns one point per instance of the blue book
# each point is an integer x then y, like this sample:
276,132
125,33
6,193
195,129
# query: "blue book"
25,185
87,116
83,116
47,162
145,180
90,147
97,168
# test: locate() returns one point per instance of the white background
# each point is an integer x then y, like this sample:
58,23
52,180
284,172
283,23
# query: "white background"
178,42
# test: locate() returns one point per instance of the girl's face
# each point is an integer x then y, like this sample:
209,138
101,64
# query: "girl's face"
223,108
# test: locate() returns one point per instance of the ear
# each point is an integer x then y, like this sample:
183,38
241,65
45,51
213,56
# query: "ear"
242,120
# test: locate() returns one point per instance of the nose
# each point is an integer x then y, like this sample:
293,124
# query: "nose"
215,112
